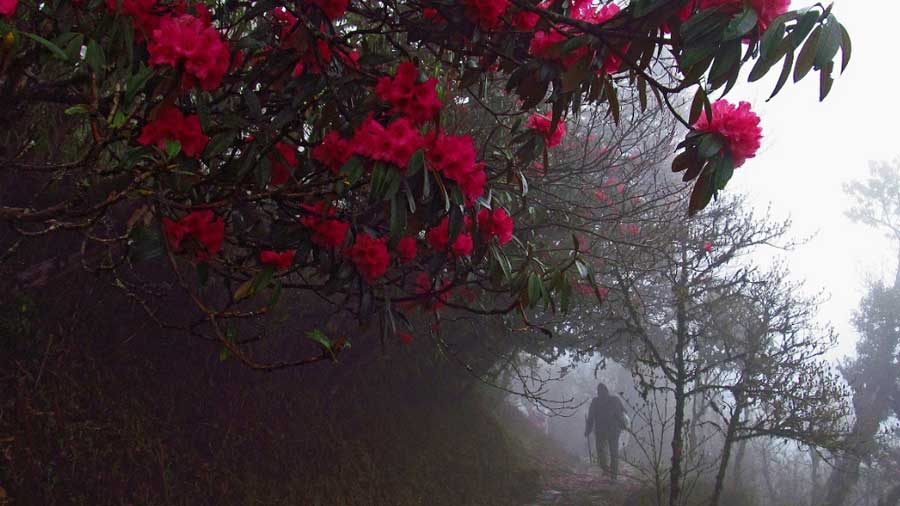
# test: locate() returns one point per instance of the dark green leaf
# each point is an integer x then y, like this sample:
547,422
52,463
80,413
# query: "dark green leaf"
803,27
741,24
59,53
95,57
846,48
807,55
829,42
785,73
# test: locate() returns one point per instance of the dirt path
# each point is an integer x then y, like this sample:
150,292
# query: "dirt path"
585,486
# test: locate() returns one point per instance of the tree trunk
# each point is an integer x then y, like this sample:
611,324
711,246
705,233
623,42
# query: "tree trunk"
726,450
814,477
679,388
846,470
891,498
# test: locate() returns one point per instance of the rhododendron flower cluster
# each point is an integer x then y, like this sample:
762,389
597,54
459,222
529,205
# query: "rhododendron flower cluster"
738,125
186,40
486,13
439,239
280,261
283,165
333,9
424,285
707,246
495,223
766,10
172,125
333,152
8,7
327,231
204,226
545,43
145,14
406,249
395,143
418,101
370,256
454,157
541,124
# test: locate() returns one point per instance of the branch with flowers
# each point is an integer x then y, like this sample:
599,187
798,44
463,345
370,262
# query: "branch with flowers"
323,145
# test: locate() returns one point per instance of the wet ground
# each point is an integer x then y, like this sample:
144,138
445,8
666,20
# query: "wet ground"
584,486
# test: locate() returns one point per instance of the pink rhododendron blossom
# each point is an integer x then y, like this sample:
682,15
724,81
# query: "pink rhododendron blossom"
280,261
204,226
370,256
541,124
738,125
185,41
418,101
708,247
8,7
495,223
171,124
406,249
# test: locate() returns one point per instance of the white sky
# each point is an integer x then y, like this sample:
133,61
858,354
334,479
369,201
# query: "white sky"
810,149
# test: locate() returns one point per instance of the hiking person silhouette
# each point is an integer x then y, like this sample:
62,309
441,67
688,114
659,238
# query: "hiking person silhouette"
606,419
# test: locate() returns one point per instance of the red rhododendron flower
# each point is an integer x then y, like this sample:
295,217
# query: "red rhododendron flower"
439,239
146,15
333,9
330,233
708,247
171,124
433,15
327,232
333,152
541,124
454,157
281,261
315,213
545,44
311,58
525,20
185,40
406,249
394,144
418,101
496,223
486,13
370,255
8,7
630,229
405,337
738,125
766,10
424,285
207,228
281,171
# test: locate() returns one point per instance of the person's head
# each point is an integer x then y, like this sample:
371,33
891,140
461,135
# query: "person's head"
602,391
